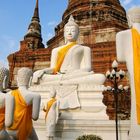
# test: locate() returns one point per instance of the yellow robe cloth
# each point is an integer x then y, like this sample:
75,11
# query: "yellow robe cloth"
61,55
49,104
136,61
22,116
2,118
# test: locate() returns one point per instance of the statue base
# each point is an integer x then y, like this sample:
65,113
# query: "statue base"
89,118
72,129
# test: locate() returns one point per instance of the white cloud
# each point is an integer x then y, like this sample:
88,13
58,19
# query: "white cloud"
3,63
49,36
52,23
8,45
134,5
129,3
126,2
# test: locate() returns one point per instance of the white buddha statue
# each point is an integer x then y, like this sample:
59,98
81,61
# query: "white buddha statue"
51,109
71,63
27,106
128,50
6,105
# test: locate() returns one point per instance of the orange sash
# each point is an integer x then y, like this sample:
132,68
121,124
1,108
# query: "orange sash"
22,117
49,104
136,59
2,117
61,55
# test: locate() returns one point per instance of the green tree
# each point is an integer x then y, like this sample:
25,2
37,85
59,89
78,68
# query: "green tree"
89,137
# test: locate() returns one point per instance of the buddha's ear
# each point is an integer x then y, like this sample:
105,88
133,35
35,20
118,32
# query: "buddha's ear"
30,81
4,84
65,41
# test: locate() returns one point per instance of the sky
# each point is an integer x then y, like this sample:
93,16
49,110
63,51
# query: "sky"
15,16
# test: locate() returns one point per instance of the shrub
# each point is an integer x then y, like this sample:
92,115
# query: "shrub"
89,137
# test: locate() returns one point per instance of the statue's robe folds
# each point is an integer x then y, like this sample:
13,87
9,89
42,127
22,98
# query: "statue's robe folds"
61,56
51,117
136,59
2,118
48,106
22,117
69,69
68,97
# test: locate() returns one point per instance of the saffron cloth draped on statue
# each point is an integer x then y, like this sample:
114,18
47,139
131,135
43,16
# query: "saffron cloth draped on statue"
136,59
61,55
47,108
22,117
2,118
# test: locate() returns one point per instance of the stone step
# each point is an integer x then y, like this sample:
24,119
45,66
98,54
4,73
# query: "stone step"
71,129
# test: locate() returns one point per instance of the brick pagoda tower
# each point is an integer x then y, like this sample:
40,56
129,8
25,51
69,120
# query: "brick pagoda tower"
32,52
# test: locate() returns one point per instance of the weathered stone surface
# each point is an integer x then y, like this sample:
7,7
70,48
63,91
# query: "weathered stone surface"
34,59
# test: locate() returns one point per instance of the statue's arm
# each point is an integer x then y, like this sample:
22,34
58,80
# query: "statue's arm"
9,110
120,45
36,107
87,59
54,57
38,74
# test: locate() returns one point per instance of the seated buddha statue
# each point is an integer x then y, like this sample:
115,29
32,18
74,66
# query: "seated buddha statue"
128,50
6,105
27,106
51,109
70,63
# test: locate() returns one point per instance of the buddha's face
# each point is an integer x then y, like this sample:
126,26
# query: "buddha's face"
71,33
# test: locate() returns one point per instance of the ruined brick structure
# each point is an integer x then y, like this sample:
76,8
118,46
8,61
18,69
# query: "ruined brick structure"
32,52
99,21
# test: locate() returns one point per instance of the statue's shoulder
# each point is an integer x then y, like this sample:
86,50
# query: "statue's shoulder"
2,95
57,48
124,33
86,48
82,46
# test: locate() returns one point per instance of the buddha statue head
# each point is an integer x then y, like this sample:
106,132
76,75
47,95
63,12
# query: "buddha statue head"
23,77
133,15
71,30
4,78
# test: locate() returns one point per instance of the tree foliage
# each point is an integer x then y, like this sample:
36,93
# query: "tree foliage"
89,137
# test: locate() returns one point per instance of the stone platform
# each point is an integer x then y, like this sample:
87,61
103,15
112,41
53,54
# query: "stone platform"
71,129
89,118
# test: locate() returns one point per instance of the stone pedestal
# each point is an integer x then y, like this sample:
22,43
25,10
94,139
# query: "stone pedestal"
71,129
90,118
